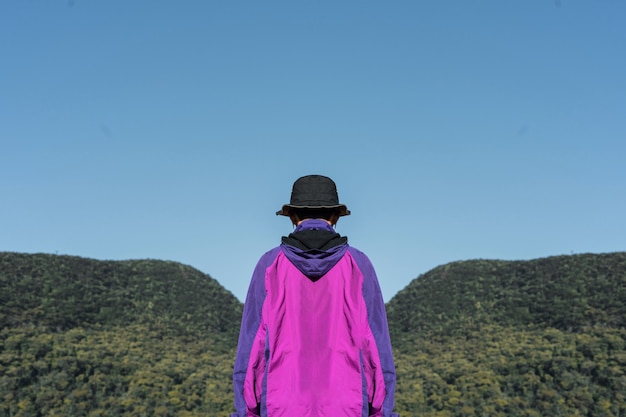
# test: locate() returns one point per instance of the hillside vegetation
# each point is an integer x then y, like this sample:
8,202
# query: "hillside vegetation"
563,292
80,337
544,337
64,292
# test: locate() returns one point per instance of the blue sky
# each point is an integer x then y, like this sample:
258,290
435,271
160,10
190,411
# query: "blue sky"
174,130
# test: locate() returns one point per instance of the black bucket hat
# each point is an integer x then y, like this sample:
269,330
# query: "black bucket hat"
314,191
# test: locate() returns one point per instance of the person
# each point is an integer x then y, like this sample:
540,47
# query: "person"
314,339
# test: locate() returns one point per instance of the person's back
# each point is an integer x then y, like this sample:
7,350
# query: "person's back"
314,340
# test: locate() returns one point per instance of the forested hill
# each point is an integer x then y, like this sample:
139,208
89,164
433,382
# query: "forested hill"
544,337
563,292
80,337
64,292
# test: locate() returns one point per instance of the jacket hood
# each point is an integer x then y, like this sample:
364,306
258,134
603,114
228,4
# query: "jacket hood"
314,248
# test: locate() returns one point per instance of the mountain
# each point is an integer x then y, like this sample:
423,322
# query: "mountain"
544,337
563,292
81,337
63,292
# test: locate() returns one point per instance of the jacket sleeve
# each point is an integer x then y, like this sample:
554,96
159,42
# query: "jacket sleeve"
248,364
377,320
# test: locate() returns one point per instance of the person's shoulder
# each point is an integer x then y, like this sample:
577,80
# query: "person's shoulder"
266,260
359,256
356,252
270,255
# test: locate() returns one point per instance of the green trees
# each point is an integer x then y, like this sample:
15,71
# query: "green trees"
63,292
150,338
128,371
531,338
96,338
564,292
513,372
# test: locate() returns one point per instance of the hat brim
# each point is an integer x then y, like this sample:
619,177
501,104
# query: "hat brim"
343,209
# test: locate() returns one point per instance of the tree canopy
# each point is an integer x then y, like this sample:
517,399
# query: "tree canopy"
82,337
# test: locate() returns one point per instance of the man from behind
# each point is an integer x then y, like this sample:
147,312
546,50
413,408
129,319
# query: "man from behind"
314,340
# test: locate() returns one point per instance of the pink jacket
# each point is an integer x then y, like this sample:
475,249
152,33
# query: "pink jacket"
314,339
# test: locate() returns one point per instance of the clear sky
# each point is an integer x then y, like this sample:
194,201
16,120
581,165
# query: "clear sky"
174,130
